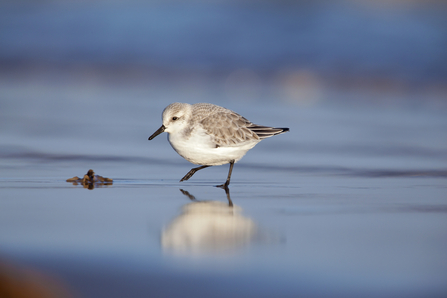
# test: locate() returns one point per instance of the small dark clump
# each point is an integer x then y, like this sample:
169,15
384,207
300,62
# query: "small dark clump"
90,180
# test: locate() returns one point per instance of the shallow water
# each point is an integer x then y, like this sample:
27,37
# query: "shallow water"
391,39
351,202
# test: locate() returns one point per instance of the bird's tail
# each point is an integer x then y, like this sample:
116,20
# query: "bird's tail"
266,132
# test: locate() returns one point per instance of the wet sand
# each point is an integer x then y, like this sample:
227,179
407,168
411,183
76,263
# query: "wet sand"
351,202
319,236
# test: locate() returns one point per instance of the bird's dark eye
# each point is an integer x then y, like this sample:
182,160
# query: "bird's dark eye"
174,118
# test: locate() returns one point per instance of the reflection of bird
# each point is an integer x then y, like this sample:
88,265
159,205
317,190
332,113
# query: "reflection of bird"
208,227
210,135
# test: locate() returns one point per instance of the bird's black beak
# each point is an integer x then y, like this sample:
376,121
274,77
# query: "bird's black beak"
159,131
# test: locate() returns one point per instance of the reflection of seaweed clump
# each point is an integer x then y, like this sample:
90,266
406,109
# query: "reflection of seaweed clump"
90,180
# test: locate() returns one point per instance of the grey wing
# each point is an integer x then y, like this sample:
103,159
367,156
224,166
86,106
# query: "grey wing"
228,128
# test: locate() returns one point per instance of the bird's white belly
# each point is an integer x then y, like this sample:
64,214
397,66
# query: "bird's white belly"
199,149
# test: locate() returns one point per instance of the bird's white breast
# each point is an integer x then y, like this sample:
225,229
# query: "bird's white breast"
198,148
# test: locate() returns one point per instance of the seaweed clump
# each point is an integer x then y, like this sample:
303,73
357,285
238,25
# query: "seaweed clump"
90,180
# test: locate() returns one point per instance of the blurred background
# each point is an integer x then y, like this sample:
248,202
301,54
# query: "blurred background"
362,85
349,77
75,59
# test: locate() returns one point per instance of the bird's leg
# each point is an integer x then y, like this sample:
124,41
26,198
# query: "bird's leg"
192,172
225,185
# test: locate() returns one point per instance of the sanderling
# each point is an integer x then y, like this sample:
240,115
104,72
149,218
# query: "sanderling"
210,135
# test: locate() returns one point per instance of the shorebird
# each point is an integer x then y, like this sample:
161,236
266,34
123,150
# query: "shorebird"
209,135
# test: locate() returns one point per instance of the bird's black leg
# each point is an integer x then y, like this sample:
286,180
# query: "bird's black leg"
192,172
225,185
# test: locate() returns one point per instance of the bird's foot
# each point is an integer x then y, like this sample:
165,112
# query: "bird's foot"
224,186
188,175
192,172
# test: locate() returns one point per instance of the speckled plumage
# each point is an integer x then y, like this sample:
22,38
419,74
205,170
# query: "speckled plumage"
226,127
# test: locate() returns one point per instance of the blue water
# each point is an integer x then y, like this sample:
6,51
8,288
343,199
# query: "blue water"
329,37
351,202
